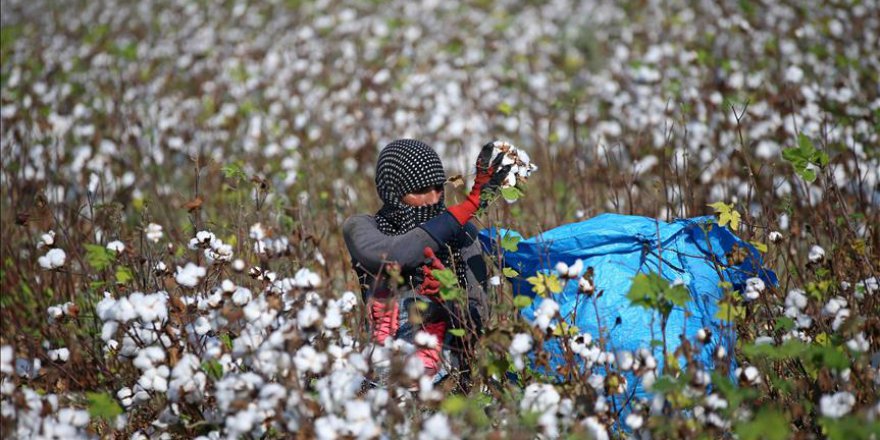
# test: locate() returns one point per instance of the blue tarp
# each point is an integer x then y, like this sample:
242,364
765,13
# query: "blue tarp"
618,247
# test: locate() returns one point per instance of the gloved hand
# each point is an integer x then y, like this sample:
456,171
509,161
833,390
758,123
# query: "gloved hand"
430,286
384,317
488,180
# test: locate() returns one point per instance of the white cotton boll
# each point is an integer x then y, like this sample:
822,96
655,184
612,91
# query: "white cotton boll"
427,393
775,236
154,232
116,246
47,240
837,405
794,74
307,317
702,378
437,427
414,368
53,259
634,421
749,375
625,360
59,355
108,330
332,318
562,269
123,310
241,296
190,275
540,398
227,286
348,302
125,396
858,343
796,298
597,381
7,353
703,335
521,344
305,278
834,305
601,405
205,238
754,287
308,360
55,313
160,268
495,281
425,339
202,326
546,312
27,368
594,428
218,252
238,265
841,317
152,307
257,232
816,255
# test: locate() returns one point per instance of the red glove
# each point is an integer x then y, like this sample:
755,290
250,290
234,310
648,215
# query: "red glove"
384,315
488,179
430,286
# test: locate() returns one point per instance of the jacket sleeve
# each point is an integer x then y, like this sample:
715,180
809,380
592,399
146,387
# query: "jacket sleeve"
371,248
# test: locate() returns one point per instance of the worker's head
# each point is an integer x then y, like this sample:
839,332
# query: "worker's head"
409,180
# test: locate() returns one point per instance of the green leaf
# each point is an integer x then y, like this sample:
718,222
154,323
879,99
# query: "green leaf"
447,277
450,293
103,406
510,243
505,108
565,329
234,171
213,369
511,193
730,312
522,301
99,257
459,332
123,275
227,341
761,247
784,323
849,427
453,405
509,272
768,424
652,291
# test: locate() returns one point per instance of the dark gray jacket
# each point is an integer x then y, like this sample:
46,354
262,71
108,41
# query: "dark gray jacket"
371,249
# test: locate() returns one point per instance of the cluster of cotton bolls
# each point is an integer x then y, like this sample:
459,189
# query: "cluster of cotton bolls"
214,248
301,91
521,166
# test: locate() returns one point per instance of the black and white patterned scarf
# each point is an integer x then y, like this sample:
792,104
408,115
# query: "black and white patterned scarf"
404,166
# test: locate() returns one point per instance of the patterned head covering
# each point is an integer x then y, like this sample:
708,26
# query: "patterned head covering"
406,166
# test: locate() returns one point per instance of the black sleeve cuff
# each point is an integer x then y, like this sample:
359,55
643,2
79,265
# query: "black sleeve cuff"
442,228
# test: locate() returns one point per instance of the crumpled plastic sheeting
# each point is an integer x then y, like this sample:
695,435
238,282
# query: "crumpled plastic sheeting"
618,247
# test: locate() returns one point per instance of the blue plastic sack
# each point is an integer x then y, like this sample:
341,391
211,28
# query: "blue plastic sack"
618,247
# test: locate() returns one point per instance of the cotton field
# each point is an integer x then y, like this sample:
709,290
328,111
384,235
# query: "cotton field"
175,175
